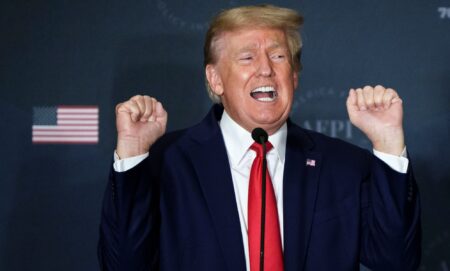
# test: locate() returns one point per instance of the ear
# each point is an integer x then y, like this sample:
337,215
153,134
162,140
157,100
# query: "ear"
214,80
295,75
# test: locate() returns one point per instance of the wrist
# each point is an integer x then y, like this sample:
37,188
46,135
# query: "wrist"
130,146
390,143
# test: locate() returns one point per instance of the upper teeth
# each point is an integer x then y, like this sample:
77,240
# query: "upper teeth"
263,89
271,95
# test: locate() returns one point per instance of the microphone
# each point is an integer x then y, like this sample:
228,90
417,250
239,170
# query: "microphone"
260,136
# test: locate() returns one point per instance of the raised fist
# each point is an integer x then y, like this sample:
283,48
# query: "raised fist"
140,121
378,113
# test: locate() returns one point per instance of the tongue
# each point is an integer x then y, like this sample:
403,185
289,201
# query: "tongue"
259,95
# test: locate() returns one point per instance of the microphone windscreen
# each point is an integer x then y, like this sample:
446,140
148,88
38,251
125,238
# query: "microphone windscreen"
259,135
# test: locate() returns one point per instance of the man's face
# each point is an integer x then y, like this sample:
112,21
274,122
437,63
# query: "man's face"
254,77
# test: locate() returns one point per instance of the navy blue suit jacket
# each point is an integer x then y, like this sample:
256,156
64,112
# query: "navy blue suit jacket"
177,209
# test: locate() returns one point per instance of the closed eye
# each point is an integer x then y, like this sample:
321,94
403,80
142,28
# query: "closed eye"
278,56
246,58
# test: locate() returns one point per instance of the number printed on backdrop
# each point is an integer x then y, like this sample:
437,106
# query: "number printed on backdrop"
444,12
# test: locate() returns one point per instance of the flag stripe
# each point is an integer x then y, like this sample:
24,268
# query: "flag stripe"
77,110
76,106
66,127
77,116
65,133
77,121
66,138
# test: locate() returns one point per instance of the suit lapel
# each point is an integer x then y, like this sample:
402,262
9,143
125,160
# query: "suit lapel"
300,184
209,157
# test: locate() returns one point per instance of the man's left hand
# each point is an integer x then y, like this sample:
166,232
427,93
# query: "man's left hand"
378,113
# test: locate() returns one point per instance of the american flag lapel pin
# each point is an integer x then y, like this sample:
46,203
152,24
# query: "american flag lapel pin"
310,162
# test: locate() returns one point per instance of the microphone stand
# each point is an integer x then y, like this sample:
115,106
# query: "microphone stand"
260,136
263,205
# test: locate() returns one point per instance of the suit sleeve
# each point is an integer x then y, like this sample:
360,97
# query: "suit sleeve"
129,227
391,233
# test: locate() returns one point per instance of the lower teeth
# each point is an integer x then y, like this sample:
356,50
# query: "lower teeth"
267,99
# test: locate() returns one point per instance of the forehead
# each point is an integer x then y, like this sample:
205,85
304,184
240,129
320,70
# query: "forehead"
252,38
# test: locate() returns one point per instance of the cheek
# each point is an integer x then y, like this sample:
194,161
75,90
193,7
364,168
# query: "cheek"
242,73
242,76
237,82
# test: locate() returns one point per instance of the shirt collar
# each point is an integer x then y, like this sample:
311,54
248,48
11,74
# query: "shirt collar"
238,140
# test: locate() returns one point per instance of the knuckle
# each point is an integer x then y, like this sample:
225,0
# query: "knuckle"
379,87
146,114
135,97
390,90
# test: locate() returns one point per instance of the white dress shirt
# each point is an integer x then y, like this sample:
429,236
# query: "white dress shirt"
237,143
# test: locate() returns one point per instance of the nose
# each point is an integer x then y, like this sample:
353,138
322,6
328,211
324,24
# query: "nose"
265,66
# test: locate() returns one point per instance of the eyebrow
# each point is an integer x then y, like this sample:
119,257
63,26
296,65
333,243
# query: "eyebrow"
251,47
276,45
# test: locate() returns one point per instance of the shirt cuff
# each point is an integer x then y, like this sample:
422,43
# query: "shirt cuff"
121,165
397,163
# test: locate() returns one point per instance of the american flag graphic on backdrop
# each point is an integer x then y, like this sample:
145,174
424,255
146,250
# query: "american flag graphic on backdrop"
65,124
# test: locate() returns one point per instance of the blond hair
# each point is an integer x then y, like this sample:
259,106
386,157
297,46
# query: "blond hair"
287,20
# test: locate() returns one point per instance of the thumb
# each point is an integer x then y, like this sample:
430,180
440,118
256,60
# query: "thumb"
352,101
161,114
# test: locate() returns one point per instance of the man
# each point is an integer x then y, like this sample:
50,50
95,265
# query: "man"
181,201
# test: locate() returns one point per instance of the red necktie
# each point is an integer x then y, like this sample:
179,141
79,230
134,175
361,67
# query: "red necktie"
273,255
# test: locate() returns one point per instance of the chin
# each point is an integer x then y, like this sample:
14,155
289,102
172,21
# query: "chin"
270,118
270,125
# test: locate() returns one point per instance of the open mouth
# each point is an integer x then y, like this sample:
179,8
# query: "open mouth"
264,94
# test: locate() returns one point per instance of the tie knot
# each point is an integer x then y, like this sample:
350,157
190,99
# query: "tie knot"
258,148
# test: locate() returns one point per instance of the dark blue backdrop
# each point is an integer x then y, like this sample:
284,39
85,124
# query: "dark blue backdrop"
102,52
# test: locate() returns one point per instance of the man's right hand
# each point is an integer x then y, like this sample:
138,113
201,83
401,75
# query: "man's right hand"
140,121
